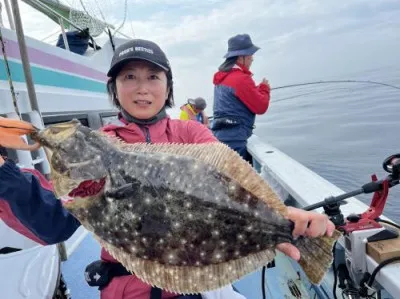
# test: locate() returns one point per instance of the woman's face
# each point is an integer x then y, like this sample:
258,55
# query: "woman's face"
142,89
247,61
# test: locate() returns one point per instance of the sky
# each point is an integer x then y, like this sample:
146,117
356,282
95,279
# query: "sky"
300,40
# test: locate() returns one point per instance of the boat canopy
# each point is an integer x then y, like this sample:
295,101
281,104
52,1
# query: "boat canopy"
54,9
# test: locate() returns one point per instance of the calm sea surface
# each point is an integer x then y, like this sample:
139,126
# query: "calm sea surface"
342,131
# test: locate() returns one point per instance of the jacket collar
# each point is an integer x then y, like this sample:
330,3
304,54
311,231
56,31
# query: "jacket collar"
156,130
242,68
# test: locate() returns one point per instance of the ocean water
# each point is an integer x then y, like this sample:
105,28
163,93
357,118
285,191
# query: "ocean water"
342,131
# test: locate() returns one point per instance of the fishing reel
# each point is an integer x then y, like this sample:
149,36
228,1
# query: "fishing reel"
366,220
392,165
357,229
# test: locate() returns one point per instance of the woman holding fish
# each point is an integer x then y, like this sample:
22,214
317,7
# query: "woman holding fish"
141,86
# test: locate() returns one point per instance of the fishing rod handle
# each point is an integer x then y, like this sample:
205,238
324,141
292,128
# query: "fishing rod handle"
333,199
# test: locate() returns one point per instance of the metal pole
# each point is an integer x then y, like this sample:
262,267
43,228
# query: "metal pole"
63,34
1,15
24,56
9,15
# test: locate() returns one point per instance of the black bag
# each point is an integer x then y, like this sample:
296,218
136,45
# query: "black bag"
100,273
7,249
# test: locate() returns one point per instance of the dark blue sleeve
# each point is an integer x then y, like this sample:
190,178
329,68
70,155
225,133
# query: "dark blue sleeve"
35,206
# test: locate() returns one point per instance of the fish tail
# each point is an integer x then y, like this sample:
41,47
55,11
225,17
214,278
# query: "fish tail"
11,131
316,255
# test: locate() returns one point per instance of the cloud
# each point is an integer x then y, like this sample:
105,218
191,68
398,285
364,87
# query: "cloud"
300,40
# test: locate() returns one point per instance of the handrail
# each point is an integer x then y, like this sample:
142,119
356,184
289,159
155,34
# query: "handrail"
64,35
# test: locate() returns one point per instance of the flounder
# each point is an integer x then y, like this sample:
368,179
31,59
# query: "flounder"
186,218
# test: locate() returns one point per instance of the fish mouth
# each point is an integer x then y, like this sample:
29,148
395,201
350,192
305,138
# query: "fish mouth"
88,188
56,134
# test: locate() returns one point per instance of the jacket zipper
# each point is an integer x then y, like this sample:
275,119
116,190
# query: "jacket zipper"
146,133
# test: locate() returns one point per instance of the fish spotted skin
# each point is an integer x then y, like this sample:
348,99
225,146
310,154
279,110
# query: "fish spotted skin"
178,211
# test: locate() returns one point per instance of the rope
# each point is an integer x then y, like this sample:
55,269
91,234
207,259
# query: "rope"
101,13
51,35
8,71
123,22
96,11
84,8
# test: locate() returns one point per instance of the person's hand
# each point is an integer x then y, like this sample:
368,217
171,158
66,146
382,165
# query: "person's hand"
265,81
17,142
310,224
1,161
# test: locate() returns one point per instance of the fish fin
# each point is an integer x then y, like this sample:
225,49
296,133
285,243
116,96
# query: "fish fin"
219,155
15,127
189,280
16,142
316,255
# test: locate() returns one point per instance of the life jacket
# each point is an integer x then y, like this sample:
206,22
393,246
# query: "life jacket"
200,117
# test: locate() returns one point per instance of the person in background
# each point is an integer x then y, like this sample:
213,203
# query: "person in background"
194,110
237,99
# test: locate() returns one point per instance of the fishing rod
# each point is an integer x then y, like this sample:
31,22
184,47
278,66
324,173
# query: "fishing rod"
311,92
337,81
380,189
352,280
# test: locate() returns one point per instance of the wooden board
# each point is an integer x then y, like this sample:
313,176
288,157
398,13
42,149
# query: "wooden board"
382,250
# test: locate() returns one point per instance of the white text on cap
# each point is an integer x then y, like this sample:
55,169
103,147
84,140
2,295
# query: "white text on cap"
137,49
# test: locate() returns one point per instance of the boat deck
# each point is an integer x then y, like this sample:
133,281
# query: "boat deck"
74,268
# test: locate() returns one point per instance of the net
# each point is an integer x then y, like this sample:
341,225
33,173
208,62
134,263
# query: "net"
82,13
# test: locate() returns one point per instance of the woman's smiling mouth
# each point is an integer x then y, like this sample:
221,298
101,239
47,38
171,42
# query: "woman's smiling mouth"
142,102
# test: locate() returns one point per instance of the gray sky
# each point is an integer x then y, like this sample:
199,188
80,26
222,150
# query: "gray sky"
299,40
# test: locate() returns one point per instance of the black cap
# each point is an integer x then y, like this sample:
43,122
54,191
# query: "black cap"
138,49
198,103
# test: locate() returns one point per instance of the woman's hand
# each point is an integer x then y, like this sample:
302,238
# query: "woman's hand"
310,224
1,161
265,81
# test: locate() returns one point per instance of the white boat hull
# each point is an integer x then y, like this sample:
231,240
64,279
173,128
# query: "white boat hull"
30,273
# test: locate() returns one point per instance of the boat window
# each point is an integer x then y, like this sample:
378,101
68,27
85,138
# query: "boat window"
107,120
55,119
